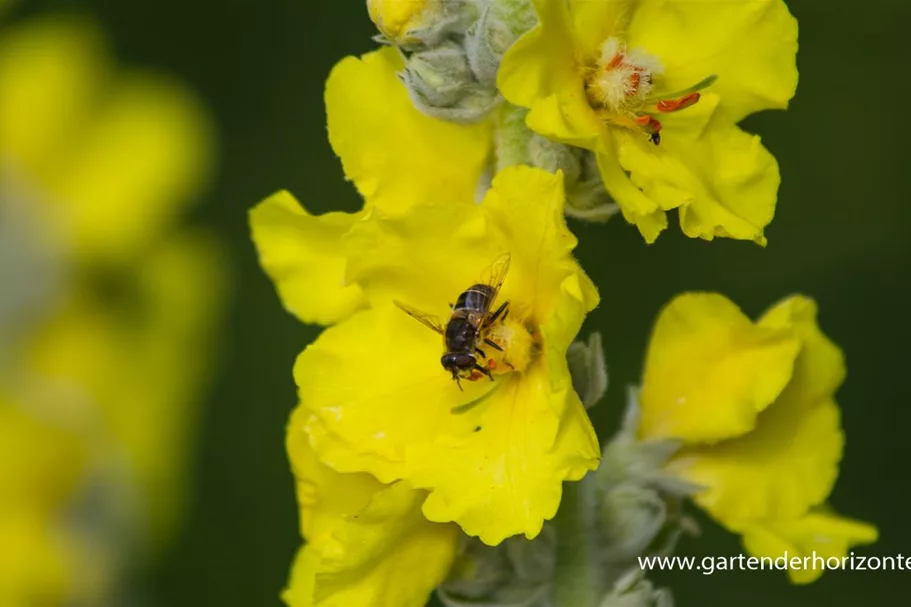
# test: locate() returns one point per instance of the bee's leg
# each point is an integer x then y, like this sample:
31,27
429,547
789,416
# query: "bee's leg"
458,383
501,310
481,352
493,345
484,371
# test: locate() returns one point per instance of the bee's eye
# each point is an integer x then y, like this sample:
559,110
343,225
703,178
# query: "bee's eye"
457,361
465,361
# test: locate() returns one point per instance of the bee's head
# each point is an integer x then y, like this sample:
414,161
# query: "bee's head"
456,363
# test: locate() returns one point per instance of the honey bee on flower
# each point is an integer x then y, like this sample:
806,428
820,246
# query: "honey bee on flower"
470,326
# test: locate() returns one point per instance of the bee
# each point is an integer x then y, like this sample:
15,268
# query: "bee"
468,323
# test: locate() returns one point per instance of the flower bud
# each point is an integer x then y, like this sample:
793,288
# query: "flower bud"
396,19
633,590
552,156
588,370
631,518
485,43
440,76
498,27
517,573
422,23
586,197
441,84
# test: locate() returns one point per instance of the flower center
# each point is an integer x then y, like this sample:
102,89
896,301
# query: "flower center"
517,343
621,81
620,88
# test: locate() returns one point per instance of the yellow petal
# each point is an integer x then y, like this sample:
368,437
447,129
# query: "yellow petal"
541,61
506,476
34,563
540,72
751,47
41,63
595,22
395,155
789,463
303,256
302,582
424,261
375,386
820,367
637,208
389,555
524,208
785,466
566,119
366,543
710,371
323,495
42,463
145,155
819,540
384,404
41,460
396,18
385,554
724,181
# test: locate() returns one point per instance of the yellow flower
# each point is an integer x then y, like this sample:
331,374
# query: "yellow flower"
396,156
754,407
655,88
40,467
116,350
493,457
366,543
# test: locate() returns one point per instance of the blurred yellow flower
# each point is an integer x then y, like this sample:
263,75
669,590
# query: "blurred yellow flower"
396,156
754,406
493,457
108,308
366,543
36,483
655,88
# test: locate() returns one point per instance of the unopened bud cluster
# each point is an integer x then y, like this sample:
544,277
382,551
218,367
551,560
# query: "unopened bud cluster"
452,49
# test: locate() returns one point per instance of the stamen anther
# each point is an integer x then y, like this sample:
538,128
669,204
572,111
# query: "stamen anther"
673,105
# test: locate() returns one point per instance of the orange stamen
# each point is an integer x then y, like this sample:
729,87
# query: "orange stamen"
672,105
615,62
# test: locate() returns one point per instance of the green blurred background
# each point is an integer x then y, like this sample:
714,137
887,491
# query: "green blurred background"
842,235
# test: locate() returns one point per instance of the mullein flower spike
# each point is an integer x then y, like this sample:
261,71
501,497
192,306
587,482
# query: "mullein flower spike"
470,136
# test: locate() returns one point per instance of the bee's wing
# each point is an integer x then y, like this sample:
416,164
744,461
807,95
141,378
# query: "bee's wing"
495,276
428,320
